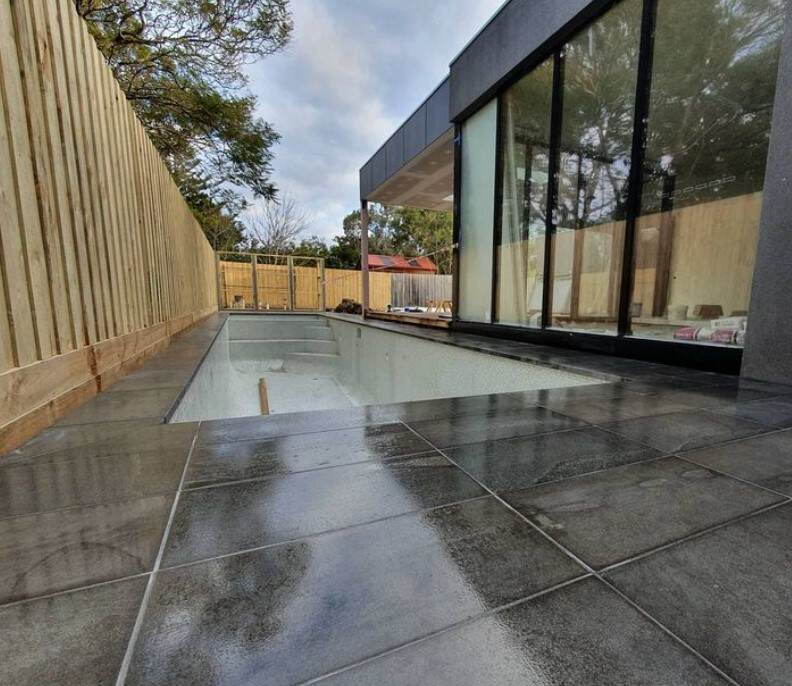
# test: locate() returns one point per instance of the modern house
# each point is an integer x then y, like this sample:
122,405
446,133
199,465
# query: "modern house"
620,174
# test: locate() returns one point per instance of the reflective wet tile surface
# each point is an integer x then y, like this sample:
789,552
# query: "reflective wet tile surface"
220,462
299,610
618,513
522,462
341,547
597,412
727,593
56,551
776,412
40,486
150,403
763,460
96,440
226,519
258,428
71,639
583,634
684,430
459,430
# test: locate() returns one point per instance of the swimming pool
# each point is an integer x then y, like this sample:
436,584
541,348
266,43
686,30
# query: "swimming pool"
299,363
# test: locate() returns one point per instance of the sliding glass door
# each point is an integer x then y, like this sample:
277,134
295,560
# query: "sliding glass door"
600,70
602,229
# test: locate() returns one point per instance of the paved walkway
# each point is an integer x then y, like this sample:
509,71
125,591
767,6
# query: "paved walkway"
634,532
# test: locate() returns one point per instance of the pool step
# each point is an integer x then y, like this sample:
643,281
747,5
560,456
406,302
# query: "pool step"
258,349
263,329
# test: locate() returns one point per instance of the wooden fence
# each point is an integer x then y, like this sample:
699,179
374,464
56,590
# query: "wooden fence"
272,284
101,259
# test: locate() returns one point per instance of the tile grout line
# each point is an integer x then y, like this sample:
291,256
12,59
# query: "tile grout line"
317,534
447,629
742,480
692,537
586,566
310,470
77,589
125,663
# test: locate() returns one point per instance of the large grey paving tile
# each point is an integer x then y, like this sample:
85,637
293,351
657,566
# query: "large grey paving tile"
298,610
146,379
459,430
716,397
40,486
775,412
256,428
72,639
96,440
605,410
218,462
684,430
618,513
443,408
57,551
522,462
727,594
112,407
765,460
226,519
582,634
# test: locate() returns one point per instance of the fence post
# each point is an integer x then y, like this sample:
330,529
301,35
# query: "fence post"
290,282
219,281
322,285
254,263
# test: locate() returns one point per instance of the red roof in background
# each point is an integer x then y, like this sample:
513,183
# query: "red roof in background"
397,263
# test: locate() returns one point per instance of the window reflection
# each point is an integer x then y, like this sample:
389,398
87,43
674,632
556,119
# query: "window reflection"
525,126
600,73
713,86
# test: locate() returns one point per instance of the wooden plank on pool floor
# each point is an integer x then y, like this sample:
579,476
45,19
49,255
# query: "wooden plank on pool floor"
263,398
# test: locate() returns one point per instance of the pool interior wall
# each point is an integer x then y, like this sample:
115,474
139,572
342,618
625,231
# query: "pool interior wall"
313,362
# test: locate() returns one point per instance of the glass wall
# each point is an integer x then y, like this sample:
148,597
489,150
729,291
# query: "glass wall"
599,83
566,149
525,155
713,85
477,211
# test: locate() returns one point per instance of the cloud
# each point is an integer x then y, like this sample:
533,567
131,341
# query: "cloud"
354,71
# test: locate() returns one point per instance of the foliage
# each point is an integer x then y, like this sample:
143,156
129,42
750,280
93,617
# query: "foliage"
180,64
392,231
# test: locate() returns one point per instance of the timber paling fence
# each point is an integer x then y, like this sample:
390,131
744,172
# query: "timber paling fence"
101,259
303,283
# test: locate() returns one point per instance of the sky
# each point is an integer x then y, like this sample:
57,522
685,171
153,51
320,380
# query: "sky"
353,72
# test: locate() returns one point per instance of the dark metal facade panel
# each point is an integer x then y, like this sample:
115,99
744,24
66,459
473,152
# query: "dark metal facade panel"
415,133
521,29
365,181
768,345
379,168
394,152
424,126
437,109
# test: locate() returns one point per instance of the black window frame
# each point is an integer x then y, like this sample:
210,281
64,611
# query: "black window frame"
724,359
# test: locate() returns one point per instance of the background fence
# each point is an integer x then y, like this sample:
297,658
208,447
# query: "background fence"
272,286
101,259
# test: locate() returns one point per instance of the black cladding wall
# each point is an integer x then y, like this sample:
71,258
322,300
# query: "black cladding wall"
520,29
768,351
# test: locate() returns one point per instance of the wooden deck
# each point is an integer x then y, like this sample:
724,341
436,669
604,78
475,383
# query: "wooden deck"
429,319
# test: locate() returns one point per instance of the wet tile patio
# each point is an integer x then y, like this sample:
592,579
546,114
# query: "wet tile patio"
634,532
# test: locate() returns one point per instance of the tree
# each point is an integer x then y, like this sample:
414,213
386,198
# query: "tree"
398,231
276,230
180,65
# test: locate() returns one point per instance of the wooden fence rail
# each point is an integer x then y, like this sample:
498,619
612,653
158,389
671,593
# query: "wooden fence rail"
101,260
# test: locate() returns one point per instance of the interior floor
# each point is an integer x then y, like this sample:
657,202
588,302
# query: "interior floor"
634,532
